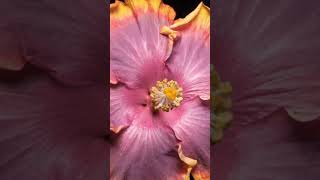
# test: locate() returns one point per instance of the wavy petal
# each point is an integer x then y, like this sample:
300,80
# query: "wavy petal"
65,39
125,104
51,132
137,47
271,60
191,125
277,148
189,62
146,150
190,163
197,20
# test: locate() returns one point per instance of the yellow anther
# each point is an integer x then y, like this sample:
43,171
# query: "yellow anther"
171,93
166,95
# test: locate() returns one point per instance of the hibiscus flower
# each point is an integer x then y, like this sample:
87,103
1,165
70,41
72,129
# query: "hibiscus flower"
159,93
53,90
268,51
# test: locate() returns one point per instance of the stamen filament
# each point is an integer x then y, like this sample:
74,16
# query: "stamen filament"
166,95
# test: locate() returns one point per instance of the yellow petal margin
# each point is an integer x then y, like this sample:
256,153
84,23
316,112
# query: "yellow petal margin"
172,35
141,7
198,18
201,174
190,163
117,129
121,11
198,21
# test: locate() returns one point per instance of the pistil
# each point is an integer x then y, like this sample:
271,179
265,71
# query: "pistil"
166,95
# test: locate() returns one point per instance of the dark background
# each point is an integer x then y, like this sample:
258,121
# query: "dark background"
183,7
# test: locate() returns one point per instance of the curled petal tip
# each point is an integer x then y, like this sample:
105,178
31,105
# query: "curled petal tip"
113,81
114,5
172,35
200,18
191,163
113,78
205,97
303,115
118,129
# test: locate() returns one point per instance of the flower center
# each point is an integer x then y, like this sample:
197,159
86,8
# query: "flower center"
166,95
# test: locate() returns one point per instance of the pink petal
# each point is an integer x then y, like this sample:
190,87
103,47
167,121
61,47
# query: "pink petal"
113,77
125,104
65,39
145,150
270,60
48,131
189,64
277,148
137,48
192,126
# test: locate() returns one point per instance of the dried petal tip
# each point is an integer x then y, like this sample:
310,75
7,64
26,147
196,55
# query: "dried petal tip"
166,95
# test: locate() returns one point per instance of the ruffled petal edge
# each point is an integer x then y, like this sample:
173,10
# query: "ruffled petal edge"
190,163
198,19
